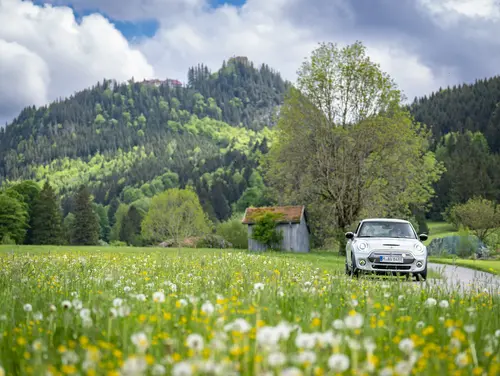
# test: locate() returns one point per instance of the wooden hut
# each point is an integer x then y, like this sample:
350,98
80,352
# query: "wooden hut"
292,223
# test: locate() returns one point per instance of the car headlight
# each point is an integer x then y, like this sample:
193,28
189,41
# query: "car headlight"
362,246
418,248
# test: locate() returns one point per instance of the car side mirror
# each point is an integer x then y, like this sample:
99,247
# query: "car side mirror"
423,237
349,235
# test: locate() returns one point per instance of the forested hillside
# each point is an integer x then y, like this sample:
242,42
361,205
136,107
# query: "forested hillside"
129,141
465,122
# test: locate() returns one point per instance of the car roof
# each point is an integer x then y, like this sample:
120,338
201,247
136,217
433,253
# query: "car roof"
385,220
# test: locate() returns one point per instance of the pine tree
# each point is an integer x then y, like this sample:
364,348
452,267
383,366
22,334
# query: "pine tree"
47,218
86,226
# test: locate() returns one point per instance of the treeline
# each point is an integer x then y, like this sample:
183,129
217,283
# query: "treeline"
30,215
465,123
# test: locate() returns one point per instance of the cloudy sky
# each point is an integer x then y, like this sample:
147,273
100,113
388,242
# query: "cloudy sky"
52,48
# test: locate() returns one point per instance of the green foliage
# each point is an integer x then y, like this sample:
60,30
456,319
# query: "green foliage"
7,240
120,214
130,230
346,85
13,217
102,217
86,224
46,218
234,232
213,241
479,215
265,231
176,214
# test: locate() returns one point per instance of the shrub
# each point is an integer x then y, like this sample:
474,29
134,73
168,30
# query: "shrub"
7,240
264,231
213,241
234,232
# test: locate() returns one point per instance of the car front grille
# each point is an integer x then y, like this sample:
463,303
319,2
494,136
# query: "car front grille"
374,258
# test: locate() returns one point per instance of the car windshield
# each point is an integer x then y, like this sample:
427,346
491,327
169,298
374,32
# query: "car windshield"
386,230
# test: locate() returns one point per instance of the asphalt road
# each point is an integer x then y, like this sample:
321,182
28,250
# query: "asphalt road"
458,278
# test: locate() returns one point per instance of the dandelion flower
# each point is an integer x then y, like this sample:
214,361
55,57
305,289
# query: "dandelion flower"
207,308
470,328
338,324
141,297
461,360
38,316
430,302
158,370
276,359
66,304
354,321
291,371
27,308
134,366
159,297
406,345
182,369
306,357
338,363
444,304
117,302
77,304
140,340
258,286
497,333
195,342
305,341
85,313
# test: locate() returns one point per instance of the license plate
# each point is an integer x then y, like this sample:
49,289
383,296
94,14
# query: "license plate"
396,259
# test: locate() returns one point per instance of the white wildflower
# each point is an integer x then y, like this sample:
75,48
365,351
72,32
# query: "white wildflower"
403,368
85,313
134,366
182,369
140,340
338,363
306,357
406,345
159,297
470,328
77,304
141,297
276,359
291,371
258,286
305,341
338,324
354,321
158,370
444,304
38,316
461,360
66,304
195,342
117,302
430,302
27,308
207,308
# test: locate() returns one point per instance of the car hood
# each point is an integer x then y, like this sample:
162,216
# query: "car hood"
388,243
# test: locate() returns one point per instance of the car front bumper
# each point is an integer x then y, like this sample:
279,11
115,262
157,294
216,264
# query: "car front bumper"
412,263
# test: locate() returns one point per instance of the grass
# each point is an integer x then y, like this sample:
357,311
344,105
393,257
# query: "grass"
439,230
123,311
490,266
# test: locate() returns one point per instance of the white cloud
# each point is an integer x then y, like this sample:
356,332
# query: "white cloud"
451,11
24,78
275,32
60,55
261,31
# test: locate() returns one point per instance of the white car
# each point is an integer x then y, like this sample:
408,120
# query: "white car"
387,246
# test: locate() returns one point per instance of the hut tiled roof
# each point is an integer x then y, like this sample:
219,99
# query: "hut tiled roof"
289,214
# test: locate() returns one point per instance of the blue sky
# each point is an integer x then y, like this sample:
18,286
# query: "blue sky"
48,53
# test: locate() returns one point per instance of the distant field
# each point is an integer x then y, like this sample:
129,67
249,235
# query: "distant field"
439,230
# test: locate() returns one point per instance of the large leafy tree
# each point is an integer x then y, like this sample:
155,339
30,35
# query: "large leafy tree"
130,230
86,224
348,154
47,218
176,214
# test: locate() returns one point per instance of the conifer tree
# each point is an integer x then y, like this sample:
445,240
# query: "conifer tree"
86,226
47,218
130,230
